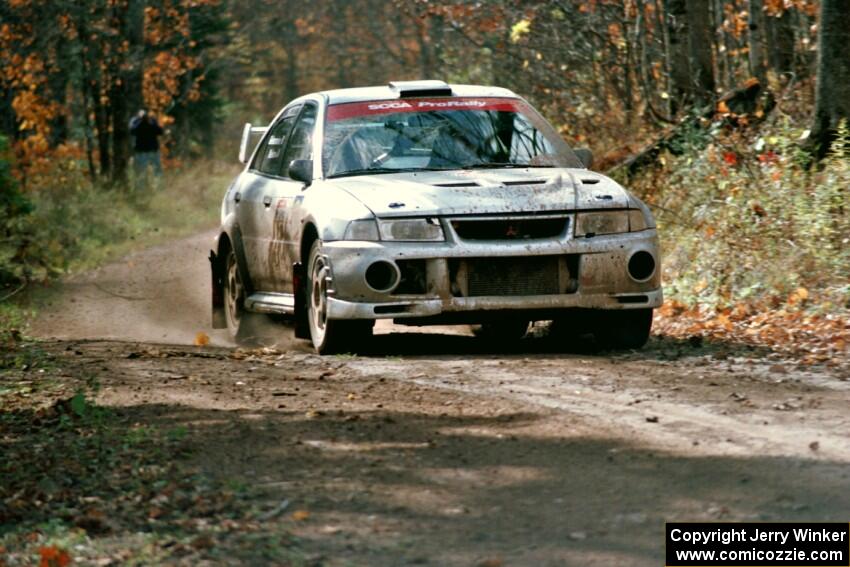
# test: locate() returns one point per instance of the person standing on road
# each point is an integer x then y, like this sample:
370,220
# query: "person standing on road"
146,132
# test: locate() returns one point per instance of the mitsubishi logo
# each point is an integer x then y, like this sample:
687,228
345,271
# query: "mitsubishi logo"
511,231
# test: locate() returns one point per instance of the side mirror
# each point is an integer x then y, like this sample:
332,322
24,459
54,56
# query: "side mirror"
301,170
586,156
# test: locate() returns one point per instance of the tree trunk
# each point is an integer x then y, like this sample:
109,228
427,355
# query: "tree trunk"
755,37
290,47
423,40
436,24
101,121
126,94
699,48
343,60
136,55
780,30
628,65
678,62
120,134
832,96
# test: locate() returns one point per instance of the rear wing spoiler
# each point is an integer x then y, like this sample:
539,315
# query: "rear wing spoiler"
246,139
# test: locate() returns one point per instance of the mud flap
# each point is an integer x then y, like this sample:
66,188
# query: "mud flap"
299,293
217,279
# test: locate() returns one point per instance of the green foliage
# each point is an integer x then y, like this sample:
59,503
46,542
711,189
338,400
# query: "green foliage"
13,323
746,220
15,223
75,225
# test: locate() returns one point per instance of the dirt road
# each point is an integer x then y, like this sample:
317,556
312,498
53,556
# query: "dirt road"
437,450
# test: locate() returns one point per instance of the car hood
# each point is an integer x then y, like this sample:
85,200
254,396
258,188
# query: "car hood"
465,192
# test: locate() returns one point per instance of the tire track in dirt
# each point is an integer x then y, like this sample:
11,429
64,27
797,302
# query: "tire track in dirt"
675,406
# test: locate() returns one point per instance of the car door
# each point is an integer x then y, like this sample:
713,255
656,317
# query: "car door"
282,194
254,206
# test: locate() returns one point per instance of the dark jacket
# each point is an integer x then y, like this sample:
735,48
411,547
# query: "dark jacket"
146,132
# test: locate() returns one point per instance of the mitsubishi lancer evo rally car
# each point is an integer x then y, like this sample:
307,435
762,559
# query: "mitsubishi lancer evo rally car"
429,203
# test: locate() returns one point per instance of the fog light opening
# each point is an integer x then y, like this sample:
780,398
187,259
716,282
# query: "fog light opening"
641,266
382,276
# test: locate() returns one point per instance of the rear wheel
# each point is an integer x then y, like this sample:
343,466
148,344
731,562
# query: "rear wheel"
240,323
624,329
330,336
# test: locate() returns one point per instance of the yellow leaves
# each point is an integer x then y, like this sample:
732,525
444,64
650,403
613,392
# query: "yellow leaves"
300,515
615,33
722,320
519,30
722,108
700,286
798,297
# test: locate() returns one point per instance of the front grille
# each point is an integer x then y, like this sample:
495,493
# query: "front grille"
512,276
510,229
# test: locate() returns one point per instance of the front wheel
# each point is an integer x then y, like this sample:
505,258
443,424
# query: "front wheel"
241,324
626,329
329,336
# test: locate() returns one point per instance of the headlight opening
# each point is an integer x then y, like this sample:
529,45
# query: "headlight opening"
413,230
599,223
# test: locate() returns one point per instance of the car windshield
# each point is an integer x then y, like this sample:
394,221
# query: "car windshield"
418,134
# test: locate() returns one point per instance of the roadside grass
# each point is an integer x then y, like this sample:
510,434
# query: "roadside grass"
93,225
89,485
756,244
76,225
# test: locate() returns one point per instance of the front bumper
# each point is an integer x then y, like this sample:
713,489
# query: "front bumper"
341,309
601,281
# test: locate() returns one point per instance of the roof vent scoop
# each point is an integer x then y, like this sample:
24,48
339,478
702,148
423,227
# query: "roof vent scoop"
407,89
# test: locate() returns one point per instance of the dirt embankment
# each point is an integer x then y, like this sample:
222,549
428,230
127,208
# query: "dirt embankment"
439,450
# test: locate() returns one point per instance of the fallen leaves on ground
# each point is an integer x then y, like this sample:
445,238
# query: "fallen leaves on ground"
83,475
300,515
815,338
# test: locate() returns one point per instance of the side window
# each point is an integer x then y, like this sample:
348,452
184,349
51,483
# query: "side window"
301,141
269,157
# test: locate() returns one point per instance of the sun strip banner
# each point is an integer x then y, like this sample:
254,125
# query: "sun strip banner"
356,109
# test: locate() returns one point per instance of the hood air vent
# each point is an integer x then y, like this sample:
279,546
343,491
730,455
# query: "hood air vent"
524,182
457,184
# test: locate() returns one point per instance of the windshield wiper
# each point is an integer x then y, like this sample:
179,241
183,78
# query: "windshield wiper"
371,170
366,171
500,165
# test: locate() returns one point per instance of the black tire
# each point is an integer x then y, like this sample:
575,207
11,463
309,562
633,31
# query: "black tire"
505,331
330,336
568,329
626,329
241,324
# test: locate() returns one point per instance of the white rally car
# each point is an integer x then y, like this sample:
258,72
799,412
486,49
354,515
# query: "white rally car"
429,203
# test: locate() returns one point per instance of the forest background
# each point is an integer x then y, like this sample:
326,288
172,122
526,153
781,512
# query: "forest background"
727,116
